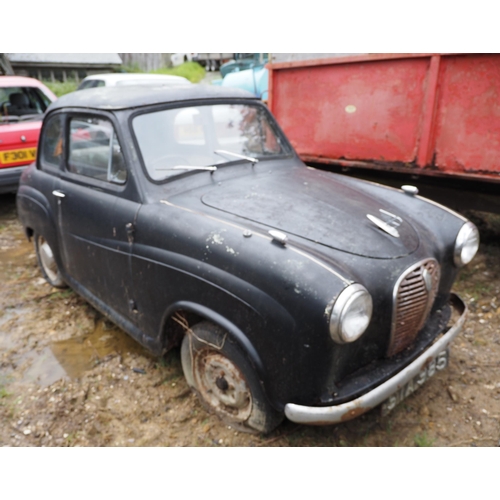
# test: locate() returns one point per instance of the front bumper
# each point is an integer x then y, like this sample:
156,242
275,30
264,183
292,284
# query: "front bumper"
347,411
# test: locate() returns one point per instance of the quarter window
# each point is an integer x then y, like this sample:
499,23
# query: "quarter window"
52,142
94,150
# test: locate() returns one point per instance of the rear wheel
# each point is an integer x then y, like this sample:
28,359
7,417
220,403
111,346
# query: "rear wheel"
47,262
224,380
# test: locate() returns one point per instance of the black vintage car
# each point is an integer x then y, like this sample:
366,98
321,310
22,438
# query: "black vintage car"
184,215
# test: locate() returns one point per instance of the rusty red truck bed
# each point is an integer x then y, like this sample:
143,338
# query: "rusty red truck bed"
425,114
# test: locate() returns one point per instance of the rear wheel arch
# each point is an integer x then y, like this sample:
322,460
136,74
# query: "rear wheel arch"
36,218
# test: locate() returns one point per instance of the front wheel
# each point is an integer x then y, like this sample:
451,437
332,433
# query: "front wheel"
224,380
47,262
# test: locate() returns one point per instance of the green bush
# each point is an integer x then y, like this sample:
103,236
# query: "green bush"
131,68
61,88
193,71
190,70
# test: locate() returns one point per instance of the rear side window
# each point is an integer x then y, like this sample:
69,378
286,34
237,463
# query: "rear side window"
52,142
94,150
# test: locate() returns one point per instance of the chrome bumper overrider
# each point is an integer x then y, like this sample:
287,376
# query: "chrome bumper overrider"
347,411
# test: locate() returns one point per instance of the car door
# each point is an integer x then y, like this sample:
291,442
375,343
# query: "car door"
97,200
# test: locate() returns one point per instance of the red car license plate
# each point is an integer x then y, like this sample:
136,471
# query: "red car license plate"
440,362
18,156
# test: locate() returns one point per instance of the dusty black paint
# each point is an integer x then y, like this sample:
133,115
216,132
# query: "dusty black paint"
181,246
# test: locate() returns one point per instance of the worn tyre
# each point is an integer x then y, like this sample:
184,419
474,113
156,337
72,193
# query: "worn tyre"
224,381
47,262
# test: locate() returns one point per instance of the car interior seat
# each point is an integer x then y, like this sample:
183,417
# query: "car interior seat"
20,105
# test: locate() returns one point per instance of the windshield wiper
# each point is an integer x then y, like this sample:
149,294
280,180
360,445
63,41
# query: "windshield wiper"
222,152
211,168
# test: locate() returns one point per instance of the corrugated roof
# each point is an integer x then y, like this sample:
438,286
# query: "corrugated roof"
282,57
66,58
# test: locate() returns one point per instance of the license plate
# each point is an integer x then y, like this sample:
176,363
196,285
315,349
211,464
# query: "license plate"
440,362
18,156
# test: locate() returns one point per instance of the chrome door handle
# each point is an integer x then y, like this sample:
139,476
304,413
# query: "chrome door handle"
59,194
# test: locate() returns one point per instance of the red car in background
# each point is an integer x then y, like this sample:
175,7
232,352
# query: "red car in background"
23,102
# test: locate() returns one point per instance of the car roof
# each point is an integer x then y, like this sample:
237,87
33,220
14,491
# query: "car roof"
24,81
114,78
20,81
123,97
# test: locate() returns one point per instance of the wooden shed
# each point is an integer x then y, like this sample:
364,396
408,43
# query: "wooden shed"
65,66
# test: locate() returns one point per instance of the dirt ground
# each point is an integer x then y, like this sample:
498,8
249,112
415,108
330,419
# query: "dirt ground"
68,377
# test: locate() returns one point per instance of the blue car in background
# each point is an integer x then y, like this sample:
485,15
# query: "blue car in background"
247,73
242,62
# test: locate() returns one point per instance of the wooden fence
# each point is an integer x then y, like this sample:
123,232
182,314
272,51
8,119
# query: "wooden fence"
146,62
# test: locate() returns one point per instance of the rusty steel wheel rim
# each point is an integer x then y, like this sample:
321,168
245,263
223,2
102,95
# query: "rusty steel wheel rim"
47,259
222,385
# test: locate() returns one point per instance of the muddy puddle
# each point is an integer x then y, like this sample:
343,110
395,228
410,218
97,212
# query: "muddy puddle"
70,359
66,359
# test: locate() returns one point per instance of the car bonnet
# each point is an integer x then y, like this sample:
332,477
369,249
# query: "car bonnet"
322,208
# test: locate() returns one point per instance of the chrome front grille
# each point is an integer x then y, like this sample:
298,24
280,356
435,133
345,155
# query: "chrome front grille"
414,295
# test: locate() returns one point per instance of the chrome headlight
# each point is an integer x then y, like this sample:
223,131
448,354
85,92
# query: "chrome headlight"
466,244
351,314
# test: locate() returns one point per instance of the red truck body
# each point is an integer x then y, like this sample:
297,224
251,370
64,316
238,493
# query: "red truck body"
423,114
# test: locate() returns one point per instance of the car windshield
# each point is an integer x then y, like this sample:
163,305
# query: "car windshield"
90,84
22,103
203,136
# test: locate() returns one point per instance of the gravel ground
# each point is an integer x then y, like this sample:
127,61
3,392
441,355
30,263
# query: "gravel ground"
68,377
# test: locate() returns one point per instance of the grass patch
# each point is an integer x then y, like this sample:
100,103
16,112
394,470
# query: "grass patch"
62,295
171,378
3,394
61,88
193,71
475,290
421,440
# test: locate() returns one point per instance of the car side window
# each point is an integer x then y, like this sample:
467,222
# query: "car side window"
38,100
94,150
52,143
